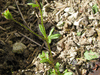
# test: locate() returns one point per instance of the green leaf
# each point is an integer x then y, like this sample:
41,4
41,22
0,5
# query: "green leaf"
51,31
42,29
65,71
7,14
43,61
33,5
50,35
95,8
44,58
49,40
41,5
54,36
51,72
57,65
90,55
42,55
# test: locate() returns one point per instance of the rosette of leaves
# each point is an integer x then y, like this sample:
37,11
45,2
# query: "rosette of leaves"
44,58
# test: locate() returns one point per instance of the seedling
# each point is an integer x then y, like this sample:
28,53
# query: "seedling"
53,72
44,57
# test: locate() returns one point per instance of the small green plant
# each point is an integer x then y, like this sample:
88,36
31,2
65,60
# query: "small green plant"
53,72
91,55
95,8
45,57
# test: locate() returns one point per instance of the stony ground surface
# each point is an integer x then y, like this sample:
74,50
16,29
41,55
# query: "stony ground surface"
76,20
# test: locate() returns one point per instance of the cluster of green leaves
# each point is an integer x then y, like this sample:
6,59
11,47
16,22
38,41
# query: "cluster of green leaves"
45,59
89,55
95,8
52,36
53,72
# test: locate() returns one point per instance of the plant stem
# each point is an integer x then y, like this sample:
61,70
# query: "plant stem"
41,18
28,29
51,57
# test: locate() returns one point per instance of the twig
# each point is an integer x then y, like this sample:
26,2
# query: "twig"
32,40
2,28
4,22
21,15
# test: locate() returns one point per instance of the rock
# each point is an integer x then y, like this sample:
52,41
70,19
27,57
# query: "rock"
18,48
